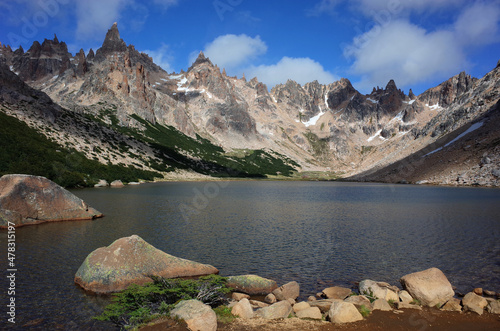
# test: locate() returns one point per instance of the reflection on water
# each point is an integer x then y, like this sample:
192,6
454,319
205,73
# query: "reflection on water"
319,234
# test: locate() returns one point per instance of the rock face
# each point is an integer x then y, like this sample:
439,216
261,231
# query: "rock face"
360,300
197,315
290,290
430,287
452,305
130,260
26,200
344,312
251,284
381,304
311,313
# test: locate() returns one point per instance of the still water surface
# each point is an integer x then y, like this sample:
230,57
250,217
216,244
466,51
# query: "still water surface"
317,233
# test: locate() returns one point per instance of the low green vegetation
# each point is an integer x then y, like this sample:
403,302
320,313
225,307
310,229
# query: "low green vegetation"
369,294
320,146
224,314
141,304
24,150
364,311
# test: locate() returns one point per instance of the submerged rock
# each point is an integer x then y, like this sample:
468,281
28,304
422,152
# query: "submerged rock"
26,199
131,260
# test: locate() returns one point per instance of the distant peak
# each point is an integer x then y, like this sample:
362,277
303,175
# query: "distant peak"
200,60
391,85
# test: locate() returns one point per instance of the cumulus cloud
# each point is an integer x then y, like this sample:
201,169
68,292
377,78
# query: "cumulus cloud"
396,7
478,24
96,16
324,6
406,53
162,57
301,70
231,51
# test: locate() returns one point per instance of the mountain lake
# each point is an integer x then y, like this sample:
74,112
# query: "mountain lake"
320,234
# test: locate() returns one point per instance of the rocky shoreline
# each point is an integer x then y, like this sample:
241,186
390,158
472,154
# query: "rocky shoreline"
127,260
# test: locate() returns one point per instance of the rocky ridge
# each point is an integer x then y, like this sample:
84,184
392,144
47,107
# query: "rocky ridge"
320,127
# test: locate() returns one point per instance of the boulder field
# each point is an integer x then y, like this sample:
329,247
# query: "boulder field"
26,200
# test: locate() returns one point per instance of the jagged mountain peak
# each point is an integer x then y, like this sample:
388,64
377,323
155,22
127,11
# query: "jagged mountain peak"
112,43
201,59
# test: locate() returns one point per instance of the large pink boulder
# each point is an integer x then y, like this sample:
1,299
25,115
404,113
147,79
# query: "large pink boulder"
26,199
131,260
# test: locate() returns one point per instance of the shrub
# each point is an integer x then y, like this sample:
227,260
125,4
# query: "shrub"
140,304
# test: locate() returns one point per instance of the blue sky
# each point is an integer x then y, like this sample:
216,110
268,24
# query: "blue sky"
418,43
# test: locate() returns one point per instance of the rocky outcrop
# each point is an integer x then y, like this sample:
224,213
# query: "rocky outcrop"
130,260
310,313
26,200
112,44
197,315
251,284
430,287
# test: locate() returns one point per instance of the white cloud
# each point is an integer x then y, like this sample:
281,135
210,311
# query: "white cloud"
478,24
166,3
231,51
398,8
324,6
301,70
162,57
95,17
406,53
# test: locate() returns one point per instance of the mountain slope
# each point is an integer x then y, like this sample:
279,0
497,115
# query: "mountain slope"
215,122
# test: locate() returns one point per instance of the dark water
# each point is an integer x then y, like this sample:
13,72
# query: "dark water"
316,233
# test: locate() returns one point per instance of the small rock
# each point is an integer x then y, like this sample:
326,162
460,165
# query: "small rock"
404,305
324,305
336,292
493,307
281,309
360,300
381,304
475,303
270,298
311,298
292,302
489,293
238,296
101,183
300,306
452,305
311,312
380,290
405,297
344,312
243,309
496,173
197,315
478,291
258,304
290,290
117,183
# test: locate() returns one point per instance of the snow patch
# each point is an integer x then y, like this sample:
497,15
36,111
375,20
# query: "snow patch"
274,99
163,79
377,134
473,127
314,119
175,76
370,99
326,100
412,101
435,107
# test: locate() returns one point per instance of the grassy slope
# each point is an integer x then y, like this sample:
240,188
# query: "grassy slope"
26,151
